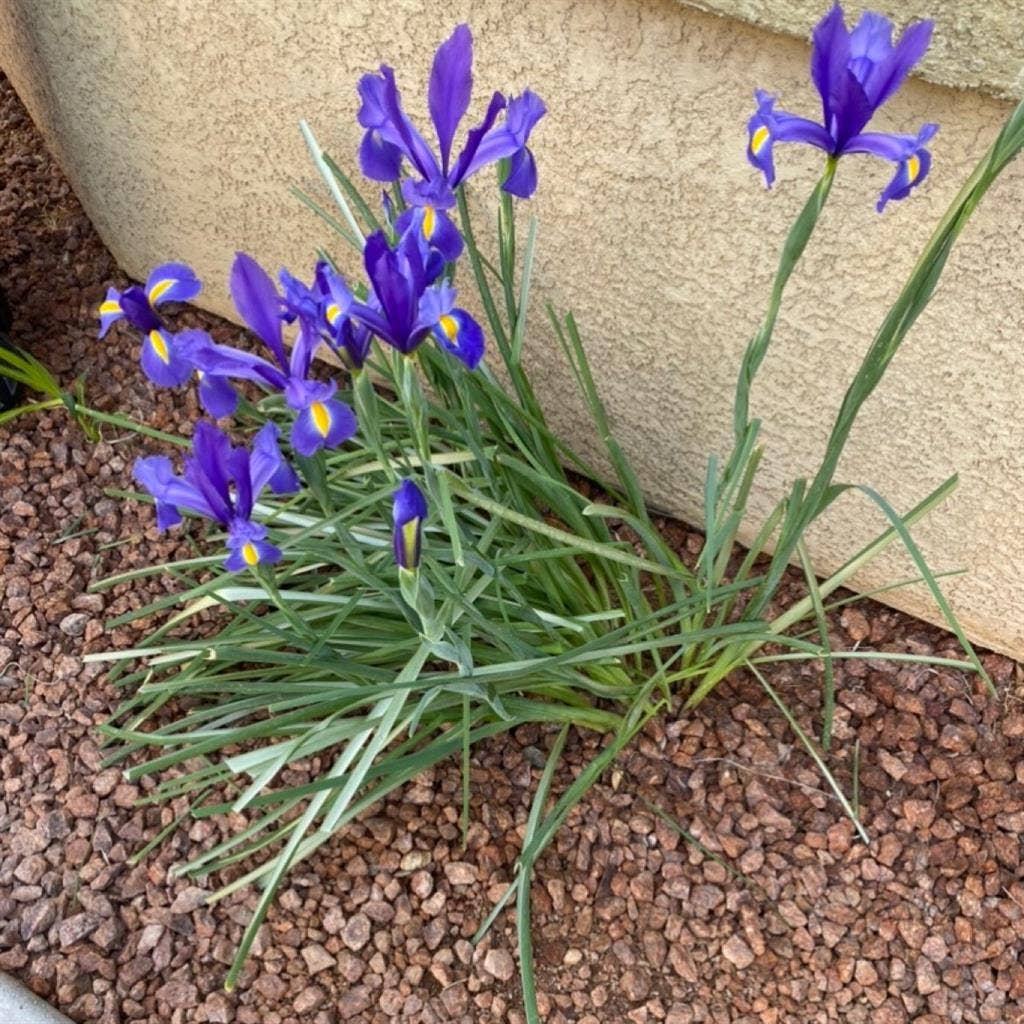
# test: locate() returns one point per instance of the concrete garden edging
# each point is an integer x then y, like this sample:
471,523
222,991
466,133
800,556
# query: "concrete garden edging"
20,1006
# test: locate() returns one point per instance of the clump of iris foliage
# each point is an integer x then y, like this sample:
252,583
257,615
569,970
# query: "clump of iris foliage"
410,567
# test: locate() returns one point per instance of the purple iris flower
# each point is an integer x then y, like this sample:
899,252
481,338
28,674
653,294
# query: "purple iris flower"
221,483
166,358
322,421
409,511
346,337
391,137
855,73
406,307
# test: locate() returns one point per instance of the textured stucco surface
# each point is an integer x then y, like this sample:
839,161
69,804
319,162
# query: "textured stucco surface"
177,126
979,44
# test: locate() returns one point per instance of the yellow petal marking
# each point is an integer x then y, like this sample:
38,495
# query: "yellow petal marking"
321,417
110,306
758,139
913,168
429,219
156,339
250,554
160,288
333,312
450,326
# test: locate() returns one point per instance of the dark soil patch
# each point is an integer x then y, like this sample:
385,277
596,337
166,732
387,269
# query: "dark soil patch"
631,922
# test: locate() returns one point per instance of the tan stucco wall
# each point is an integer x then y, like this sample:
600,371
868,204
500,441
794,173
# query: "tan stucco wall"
176,123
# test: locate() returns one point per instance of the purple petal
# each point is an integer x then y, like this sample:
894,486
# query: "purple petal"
910,173
241,476
768,126
522,175
505,140
216,395
379,160
398,281
207,468
248,547
404,132
851,112
110,311
224,361
451,83
303,349
889,146
469,162
258,304
887,76
408,513
172,282
830,56
409,504
137,310
268,466
459,334
162,360
323,424
870,45
434,192
156,474
352,340
434,229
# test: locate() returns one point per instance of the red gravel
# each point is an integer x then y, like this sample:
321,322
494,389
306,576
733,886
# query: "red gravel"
631,922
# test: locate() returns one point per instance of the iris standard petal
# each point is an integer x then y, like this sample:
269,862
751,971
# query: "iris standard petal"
268,466
888,75
172,282
298,299
352,340
162,360
110,311
451,83
830,57
307,341
469,161
870,45
398,280
458,333
851,112
207,468
258,303
137,310
401,131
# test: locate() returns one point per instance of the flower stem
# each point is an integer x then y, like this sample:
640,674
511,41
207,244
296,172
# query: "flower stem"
792,250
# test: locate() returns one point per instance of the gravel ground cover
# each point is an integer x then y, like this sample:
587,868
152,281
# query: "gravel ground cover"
781,917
